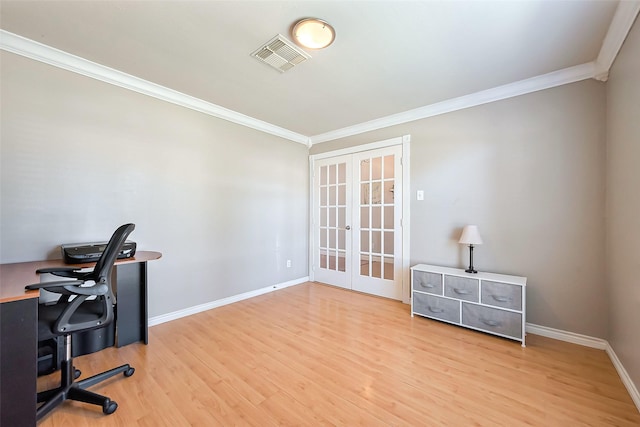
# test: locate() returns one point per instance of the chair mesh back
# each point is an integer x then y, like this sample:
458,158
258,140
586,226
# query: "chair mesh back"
108,257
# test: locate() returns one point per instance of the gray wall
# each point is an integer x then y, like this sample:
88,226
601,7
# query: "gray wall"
529,171
226,205
623,204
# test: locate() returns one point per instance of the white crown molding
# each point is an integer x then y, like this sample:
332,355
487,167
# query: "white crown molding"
40,52
522,87
621,24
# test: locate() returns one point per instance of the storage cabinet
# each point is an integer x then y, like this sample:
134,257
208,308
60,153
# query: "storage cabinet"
487,302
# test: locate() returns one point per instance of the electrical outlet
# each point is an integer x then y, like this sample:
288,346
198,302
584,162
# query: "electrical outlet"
288,263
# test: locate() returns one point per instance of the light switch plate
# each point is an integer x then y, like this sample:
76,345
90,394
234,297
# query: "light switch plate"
420,195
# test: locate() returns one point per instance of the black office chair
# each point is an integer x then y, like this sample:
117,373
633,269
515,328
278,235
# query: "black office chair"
85,303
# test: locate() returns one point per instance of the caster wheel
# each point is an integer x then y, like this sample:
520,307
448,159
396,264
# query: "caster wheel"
76,374
129,372
109,407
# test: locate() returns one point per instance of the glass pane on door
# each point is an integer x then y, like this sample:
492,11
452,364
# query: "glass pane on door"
377,202
333,217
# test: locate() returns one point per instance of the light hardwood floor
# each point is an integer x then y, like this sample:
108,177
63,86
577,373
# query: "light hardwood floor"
313,355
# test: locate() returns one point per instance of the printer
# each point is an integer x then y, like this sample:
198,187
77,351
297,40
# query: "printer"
78,253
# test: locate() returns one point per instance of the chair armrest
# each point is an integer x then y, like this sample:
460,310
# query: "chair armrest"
73,272
70,287
45,285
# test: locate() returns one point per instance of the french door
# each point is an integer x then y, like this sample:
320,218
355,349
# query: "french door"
357,210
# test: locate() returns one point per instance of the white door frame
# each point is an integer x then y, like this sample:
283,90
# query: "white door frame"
405,141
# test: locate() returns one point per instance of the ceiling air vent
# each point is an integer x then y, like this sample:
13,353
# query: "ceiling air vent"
281,54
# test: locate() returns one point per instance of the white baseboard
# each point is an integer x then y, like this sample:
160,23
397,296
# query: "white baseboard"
592,342
571,337
624,376
156,320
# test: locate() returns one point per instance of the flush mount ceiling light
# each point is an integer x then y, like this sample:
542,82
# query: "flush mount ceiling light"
313,33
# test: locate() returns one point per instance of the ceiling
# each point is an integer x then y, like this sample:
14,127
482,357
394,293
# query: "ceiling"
389,57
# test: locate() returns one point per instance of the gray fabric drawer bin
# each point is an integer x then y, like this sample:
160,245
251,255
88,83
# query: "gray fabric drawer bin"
436,307
492,319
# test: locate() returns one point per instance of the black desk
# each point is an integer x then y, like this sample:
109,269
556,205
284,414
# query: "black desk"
18,327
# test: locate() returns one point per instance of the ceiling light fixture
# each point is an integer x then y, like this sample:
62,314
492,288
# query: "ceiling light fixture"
313,33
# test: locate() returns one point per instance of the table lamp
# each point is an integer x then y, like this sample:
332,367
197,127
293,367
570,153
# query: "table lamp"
470,236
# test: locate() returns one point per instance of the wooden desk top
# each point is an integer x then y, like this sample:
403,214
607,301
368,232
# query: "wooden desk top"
14,277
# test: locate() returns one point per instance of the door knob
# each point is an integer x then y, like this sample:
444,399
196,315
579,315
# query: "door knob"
348,227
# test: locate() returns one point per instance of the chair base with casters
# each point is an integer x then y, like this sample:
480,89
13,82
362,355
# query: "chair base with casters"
70,389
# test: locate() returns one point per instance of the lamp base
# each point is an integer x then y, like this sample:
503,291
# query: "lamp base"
471,269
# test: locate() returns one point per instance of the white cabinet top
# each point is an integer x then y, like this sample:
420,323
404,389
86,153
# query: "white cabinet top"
504,278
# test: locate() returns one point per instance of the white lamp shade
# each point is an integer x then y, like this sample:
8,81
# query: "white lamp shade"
470,236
